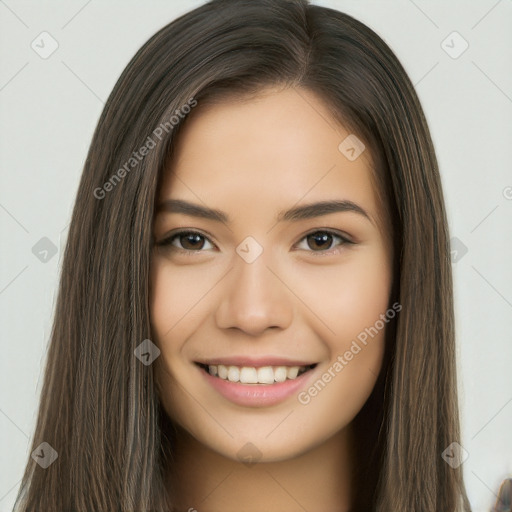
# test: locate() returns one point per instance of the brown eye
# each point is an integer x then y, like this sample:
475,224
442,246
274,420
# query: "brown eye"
191,241
319,240
322,241
187,241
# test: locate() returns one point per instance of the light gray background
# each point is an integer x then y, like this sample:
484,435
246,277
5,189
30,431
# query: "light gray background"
49,109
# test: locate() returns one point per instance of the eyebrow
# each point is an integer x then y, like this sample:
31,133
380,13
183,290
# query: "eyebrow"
308,211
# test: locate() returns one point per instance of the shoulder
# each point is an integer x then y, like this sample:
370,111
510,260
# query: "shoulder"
504,501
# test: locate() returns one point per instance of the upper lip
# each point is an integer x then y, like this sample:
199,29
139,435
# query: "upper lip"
255,362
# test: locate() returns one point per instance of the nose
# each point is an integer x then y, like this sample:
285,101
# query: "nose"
254,298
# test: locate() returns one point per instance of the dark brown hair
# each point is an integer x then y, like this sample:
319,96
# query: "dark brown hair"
99,407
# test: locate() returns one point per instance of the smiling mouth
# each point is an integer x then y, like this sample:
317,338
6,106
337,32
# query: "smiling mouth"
264,375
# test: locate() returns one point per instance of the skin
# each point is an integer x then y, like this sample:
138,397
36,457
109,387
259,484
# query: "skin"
299,299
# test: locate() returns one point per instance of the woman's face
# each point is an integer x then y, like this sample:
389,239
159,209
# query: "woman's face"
267,281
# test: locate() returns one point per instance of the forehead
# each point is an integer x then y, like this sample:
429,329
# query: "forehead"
272,150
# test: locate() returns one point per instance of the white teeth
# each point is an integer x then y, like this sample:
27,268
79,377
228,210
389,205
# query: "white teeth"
233,374
266,375
251,375
280,373
292,372
248,376
222,371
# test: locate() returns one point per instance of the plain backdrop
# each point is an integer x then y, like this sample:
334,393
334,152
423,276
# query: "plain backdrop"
50,107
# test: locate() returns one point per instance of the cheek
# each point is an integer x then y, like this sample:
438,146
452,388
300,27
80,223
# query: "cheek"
345,298
170,299
356,352
178,304
341,389
365,298
176,300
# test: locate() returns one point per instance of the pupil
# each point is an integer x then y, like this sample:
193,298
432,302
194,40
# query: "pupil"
324,237
191,239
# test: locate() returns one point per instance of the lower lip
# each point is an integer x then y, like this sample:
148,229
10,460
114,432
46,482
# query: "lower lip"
253,395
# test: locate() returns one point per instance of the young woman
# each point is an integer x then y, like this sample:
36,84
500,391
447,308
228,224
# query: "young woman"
255,309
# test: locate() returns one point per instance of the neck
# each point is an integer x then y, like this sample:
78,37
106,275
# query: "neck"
320,479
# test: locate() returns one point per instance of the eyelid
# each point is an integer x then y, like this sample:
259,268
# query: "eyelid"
331,231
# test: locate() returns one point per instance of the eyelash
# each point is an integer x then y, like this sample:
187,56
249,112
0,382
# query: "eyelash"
167,242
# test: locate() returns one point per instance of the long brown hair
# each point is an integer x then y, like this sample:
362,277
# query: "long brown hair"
99,408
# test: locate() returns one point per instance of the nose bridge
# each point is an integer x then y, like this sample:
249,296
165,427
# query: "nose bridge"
253,298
